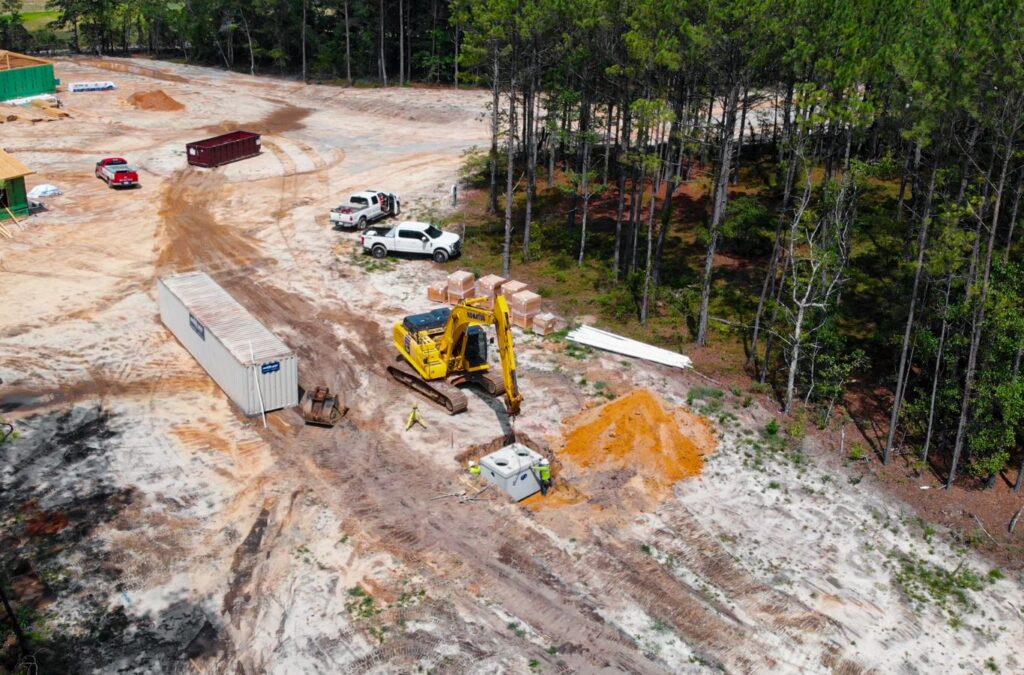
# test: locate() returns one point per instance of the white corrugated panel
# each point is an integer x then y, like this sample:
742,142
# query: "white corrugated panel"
236,350
601,339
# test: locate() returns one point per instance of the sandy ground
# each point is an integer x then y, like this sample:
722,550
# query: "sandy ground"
165,532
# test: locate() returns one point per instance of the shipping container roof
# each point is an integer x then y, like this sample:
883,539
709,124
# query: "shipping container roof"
12,60
10,167
233,325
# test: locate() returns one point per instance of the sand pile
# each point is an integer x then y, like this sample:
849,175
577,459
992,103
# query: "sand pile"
154,100
638,436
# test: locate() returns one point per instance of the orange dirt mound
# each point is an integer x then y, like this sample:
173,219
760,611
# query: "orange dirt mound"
642,434
154,100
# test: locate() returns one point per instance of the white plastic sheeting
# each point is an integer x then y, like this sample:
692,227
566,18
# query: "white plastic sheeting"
610,342
44,190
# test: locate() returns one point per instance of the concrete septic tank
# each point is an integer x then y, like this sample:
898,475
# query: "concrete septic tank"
511,469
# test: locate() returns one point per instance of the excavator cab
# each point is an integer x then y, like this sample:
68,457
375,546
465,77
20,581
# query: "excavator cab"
476,347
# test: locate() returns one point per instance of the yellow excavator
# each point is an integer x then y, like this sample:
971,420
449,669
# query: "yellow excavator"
444,348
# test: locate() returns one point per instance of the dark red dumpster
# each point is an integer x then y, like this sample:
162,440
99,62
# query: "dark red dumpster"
223,149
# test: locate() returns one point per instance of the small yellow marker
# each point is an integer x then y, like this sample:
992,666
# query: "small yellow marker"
415,417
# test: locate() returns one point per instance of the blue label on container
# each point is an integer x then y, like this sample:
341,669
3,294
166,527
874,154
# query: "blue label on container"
197,326
271,367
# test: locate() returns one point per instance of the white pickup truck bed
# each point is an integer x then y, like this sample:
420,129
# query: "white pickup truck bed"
364,208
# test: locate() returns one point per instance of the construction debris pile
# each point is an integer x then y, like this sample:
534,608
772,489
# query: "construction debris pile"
524,304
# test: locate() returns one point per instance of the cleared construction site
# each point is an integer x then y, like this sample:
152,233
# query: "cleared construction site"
242,448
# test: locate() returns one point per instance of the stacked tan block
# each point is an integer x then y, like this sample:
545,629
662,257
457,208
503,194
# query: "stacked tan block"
547,323
438,291
524,305
511,287
489,287
461,285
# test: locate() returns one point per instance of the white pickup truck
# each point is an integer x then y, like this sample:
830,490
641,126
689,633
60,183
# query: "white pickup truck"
365,207
411,237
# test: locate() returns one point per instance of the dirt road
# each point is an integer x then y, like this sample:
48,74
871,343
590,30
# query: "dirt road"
187,535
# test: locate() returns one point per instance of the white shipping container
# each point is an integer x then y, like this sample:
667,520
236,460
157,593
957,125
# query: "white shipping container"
235,349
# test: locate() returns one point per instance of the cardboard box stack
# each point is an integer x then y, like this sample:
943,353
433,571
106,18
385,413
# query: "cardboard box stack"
524,305
489,287
511,287
438,291
461,285
547,323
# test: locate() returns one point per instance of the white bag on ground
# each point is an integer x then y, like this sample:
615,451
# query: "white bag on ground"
44,190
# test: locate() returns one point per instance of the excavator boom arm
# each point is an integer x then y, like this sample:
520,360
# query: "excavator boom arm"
470,314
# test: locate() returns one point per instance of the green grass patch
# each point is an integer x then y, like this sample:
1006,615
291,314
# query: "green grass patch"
858,451
705,393
370,264
925,583
33,21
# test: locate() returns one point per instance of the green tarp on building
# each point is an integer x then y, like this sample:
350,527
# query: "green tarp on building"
13,198
22,76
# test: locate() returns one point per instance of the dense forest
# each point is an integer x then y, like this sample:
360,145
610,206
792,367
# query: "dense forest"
863,158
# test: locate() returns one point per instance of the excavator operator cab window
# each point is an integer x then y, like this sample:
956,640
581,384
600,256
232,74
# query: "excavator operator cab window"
476,346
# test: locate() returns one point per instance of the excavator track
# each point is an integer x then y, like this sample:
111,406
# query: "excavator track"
441,393
492,383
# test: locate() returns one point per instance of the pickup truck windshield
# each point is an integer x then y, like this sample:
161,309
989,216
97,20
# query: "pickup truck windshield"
361,201
433,232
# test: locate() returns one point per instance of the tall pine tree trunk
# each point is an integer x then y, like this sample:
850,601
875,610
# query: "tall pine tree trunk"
455,64
784,259
938,369
584,130
608,143
721,200
495,104
348,49
510,168
922,243
401,43
666,207
1013,214
585,189
531,154
636,206
739,144
978,323
383,66
769,277
648,266
626,131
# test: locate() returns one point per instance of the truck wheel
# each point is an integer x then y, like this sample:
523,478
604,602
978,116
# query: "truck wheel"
362,225
440,256
379,251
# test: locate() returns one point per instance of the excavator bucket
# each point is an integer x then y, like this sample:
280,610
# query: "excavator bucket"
321,408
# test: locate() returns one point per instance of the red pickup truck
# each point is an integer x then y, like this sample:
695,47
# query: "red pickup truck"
116,172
